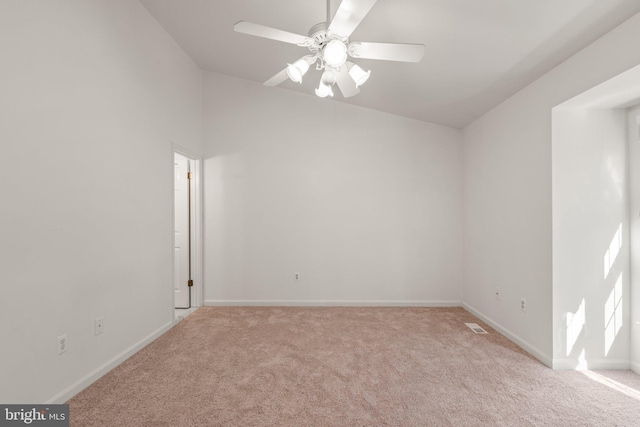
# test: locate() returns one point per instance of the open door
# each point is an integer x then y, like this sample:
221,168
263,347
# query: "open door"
182,281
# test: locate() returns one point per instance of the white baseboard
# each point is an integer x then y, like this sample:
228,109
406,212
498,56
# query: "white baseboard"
546,360
579,365
635,367
92,377
316,303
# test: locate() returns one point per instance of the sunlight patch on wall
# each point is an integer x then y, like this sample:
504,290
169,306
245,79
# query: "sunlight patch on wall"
613,315
575,325
582,361
613,251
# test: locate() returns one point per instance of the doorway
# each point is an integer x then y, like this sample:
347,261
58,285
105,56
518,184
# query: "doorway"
186,283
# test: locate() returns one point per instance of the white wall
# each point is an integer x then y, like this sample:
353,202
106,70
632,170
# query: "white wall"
93,94
590,238
364,205
633,126
507,193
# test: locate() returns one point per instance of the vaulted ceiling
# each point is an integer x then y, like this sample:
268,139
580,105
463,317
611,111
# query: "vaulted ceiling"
478,52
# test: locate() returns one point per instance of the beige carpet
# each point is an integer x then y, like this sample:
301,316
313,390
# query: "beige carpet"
293,366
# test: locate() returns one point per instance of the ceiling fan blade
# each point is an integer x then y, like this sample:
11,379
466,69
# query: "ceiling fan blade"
277,79
270,33
349,15
387,51
345,83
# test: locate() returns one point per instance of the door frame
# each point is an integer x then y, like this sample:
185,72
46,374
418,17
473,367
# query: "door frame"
196,227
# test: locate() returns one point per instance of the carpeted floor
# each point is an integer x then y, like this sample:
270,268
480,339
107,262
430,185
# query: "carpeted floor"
347,366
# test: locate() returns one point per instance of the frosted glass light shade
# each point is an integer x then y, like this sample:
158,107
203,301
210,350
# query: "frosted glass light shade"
298,69
359,75
328,78
334,53
323,90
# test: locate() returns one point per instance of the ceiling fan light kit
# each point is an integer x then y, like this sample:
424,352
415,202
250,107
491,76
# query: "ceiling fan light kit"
324,90
358,74
334,54
297,70
330,48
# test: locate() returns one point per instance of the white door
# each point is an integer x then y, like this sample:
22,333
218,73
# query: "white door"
181,243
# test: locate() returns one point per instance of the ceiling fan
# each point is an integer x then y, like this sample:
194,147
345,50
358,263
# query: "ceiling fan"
330,48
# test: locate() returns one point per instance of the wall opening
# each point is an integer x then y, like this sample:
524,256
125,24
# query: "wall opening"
592,228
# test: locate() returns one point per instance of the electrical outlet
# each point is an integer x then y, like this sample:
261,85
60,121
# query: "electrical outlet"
523,304
497,293
62,344
296,276
99,325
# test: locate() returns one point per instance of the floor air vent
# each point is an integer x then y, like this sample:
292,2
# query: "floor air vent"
476,328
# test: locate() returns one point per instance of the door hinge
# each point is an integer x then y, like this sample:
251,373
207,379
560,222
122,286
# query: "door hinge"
189,175
190,283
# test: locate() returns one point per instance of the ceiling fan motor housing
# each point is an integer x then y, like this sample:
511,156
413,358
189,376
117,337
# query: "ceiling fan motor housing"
319,39
319,34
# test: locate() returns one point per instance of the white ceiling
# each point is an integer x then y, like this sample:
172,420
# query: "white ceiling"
478,52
